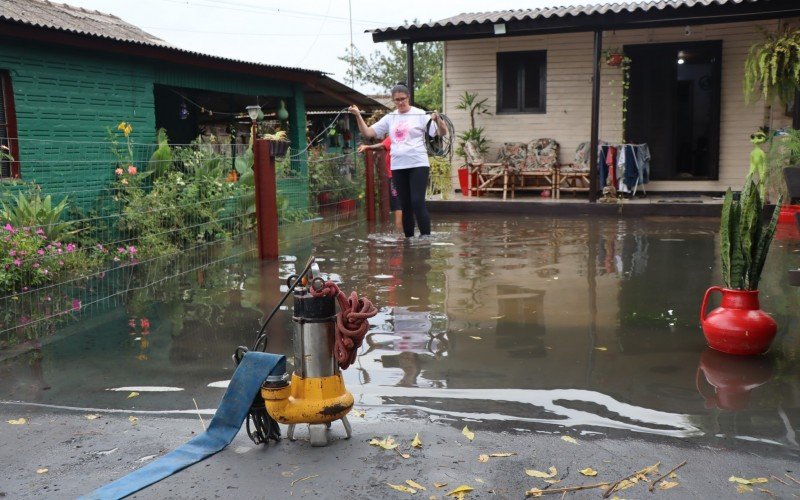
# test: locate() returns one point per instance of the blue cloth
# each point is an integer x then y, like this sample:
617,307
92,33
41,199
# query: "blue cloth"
233,409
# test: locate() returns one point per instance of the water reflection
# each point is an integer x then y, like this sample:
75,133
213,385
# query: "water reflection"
590,323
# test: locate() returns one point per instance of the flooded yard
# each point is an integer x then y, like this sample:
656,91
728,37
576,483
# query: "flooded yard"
531,324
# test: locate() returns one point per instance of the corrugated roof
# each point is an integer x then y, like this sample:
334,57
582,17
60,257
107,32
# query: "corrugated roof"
80,21
557,12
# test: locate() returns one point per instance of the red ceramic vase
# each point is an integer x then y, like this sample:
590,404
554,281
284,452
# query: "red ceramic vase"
732,377
738,326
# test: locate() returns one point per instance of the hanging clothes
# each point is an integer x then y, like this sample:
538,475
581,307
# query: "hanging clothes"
611,159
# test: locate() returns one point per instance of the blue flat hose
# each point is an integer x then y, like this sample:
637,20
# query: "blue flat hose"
227,421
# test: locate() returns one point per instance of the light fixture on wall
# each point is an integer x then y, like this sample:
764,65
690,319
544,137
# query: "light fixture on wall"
500,29
681,60
253,112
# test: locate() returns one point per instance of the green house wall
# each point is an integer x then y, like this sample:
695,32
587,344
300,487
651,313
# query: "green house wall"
66,99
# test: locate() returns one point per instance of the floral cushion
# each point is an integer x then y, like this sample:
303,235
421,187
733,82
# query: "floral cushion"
581,163
542,155
513,154
474,156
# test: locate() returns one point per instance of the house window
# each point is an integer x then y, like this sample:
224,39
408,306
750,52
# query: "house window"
521,81
8,129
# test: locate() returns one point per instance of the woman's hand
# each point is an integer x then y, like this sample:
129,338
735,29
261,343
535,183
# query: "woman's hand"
354,110
362,148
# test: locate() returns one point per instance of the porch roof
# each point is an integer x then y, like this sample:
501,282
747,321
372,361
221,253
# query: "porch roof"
631,15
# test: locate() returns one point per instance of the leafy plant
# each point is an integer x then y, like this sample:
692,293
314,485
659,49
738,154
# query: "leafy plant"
161,160
441,177
29,209
783,151
773,67
744,240
470,103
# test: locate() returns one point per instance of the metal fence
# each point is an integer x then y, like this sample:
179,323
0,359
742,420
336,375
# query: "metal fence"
89,222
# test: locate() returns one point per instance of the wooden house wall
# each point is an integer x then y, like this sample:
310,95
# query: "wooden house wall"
470,65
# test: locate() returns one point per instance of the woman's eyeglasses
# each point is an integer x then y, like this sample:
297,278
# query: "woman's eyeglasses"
400,99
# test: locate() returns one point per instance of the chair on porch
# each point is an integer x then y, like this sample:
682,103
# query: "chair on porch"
539,170
490,176
574,177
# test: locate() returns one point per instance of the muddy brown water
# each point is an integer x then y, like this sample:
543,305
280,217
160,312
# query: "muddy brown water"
527,324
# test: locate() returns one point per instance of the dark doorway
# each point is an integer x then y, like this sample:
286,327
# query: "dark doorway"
673,106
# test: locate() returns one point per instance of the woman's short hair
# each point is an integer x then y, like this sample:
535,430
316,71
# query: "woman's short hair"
400,88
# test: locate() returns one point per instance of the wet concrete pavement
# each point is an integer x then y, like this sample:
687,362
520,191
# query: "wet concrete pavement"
82,454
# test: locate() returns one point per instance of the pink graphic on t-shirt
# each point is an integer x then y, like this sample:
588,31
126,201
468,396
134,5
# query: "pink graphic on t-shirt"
400,132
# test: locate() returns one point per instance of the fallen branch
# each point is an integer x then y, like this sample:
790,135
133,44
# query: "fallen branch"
537,492
199,416
793,479
304,478
635,474
652,486
779,480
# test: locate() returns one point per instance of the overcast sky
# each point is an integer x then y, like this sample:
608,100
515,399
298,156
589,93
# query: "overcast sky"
305,33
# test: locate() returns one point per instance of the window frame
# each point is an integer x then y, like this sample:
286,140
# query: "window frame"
516,58
7,102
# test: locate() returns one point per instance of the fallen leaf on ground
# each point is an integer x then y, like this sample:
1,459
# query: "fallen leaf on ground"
468,433
440,485
474,337
626,483
92,417
386,444
588,472
479,480
497,317
133,395
400,487
743,488
665,485
552,481
416,442
502,454
414,298
540,474
404,455
460,491
483,458
569,439
19,421
133,419
533,492
741,480
601,348
414,485
357,413
673,475
41,471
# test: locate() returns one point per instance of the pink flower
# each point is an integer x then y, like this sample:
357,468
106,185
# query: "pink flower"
35,265
132,250
145,323
119,171
40,251
121,250
70,247
131,170
9,228
12,252
40,231
60,262
76,304
17,262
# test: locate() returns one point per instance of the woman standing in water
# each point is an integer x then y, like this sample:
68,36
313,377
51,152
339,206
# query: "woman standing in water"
410,166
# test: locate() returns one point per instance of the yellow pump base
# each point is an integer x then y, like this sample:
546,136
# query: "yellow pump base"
309,401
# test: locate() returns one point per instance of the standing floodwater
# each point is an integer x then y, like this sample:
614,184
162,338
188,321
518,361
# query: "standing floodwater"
523,323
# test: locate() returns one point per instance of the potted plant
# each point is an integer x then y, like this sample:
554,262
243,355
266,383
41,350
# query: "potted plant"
613,56
772,68
739,326
470,103
279,143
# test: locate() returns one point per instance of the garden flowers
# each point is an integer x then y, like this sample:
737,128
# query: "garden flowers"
125,128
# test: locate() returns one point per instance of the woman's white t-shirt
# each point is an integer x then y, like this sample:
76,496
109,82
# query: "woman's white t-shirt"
406,132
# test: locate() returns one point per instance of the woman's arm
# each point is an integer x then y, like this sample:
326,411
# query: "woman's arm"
362,125
364,147
441,127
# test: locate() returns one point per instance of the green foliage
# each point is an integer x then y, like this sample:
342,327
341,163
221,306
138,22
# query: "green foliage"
441,177
744,240
29,209
384,68
783,151
161,160
772,68
469,102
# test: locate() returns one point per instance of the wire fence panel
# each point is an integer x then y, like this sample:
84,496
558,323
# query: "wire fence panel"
89,222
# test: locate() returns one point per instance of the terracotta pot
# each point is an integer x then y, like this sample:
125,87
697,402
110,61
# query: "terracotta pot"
323,198
348,205
614,59
733,378
463,177
738,326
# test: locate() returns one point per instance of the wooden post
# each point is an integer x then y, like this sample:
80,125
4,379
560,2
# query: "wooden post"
384,184
370,188
410,70
266,203
593,143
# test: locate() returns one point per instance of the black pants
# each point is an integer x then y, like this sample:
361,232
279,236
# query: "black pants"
411,184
